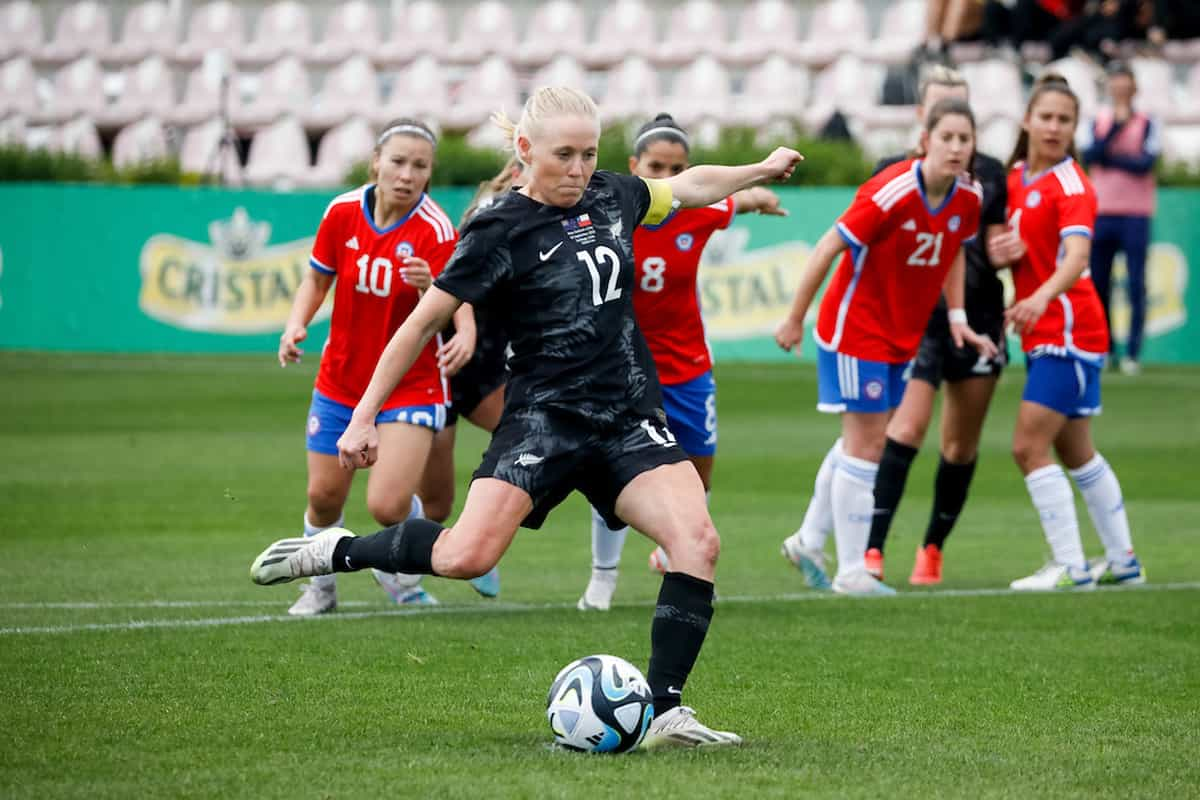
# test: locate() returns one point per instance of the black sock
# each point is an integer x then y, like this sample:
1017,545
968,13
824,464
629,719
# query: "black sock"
889,488
949,495
676,635
405,547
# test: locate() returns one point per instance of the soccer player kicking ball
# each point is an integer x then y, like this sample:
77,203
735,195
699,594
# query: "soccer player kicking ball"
1052,213
902,238
554,259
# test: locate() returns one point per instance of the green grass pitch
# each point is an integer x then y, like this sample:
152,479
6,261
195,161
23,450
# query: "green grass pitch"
139,661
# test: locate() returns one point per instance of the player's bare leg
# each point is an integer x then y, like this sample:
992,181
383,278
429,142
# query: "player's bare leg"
327,490
437,480
659,562
391,497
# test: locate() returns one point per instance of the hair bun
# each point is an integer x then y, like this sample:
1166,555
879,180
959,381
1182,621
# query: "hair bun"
1051,79
664,117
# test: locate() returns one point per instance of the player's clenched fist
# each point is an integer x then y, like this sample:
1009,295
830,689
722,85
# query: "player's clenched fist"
358,446
789,334
781,163
289,349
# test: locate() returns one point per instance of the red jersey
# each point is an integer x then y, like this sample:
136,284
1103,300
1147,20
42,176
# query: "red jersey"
371,299
1045,210
666,300
899,251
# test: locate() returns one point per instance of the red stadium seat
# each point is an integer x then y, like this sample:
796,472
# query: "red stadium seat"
352,28
488,29
283,29
629,31
282,88
765,28
217,25
139,143
837,28
340,149
631,91
560,30
21,32
350,89
148,30
82,29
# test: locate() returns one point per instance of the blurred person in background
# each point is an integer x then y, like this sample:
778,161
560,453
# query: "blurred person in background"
1120,158
1175,19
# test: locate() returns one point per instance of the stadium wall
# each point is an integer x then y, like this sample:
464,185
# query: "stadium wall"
164,269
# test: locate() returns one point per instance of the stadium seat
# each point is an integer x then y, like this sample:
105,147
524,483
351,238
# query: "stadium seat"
78,137
78,89
765,28
282,88
148,30
901,29
1181,143
279,156
628,31
491,86
82,29
996,90
13,131
420,90
201,97
1187,112
340,149
631,91
562,71
423,28
837,28
559,30
350,89
19,83
696,29
21,32
701,93
351,28
217,25
283,29
487,29
147,90
848,85
139,143
1182,51
1084,78
998,136
201,153
1155,83
774,90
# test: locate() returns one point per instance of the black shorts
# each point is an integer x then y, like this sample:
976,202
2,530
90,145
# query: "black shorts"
549,454
938,359
486,372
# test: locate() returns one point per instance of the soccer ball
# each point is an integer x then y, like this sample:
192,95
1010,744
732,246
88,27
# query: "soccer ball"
599,704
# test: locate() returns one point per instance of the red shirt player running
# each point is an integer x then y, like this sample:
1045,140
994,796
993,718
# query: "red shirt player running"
902,238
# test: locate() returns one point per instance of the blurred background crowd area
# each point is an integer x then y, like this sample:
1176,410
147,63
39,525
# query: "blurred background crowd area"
290,94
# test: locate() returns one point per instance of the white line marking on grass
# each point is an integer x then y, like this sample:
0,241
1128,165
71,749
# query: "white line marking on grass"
501,608
83,605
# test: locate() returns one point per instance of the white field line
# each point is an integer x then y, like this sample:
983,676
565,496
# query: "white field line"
490,608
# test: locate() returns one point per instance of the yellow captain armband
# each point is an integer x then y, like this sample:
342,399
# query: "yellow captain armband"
662,201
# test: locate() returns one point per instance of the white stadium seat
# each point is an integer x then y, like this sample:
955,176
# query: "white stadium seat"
774,90
421,25
696,29
283,29
218,25
560,30
78,137
139,143
352,28
148,30
1181,143
1155,85
13,131
631,91
201,152
282,88
340,149
702,93
279,156
901,29
996,91
1084,79
21,31
82,29
350,89
201,97
491,86
765,28
488,29
147,90
837,28
997,137
562,71
848,85
629,30
420,90
78,89
18,87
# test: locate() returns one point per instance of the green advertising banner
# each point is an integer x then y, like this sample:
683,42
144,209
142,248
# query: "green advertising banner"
166,269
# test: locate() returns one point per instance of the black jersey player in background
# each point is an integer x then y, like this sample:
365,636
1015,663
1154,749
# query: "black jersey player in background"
970,378
583,406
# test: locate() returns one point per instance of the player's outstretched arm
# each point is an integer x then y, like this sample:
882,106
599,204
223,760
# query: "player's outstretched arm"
358,446
758,200
704,185
790,332
1024,315
309,297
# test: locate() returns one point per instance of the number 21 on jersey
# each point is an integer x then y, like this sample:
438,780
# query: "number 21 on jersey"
605,256
922,257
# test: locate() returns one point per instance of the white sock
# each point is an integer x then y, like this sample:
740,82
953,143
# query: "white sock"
325,581
606,545
853,497
818,517
1055,503
1102,493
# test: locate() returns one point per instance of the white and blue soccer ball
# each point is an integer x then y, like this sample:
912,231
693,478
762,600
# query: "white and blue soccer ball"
600,704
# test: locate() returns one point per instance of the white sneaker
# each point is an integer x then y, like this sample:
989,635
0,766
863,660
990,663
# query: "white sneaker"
599,593
860,583
1130,366
315,598
405,590
1054,576
680,728
659,561
811,563
288,559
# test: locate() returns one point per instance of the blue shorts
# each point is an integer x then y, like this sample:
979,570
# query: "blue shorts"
692,414
846,383
1070,386
327,421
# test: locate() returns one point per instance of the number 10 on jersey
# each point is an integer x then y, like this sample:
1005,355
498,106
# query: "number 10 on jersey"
604,255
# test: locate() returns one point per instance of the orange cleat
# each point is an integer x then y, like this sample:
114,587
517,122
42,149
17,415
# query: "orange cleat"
874,562
928,569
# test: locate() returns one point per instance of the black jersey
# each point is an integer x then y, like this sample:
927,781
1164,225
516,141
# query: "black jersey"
984,294
562,282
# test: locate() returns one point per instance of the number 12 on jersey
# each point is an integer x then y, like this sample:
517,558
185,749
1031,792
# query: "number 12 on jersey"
604,255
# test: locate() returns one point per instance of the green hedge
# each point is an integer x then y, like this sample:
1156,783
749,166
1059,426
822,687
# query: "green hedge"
21,164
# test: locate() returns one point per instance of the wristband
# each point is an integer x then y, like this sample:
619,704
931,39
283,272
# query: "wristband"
957,315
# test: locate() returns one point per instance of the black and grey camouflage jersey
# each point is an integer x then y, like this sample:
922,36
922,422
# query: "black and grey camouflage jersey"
562,282
984,294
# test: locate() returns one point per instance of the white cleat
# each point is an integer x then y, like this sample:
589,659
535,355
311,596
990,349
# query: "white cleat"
289,559
1055,577
860,583
680,728
811,563
599,593
315,598
405,590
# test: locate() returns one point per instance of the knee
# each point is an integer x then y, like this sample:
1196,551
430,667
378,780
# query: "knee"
957,451
909,432
389,510
1027,455
325,501
703,541
438,505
